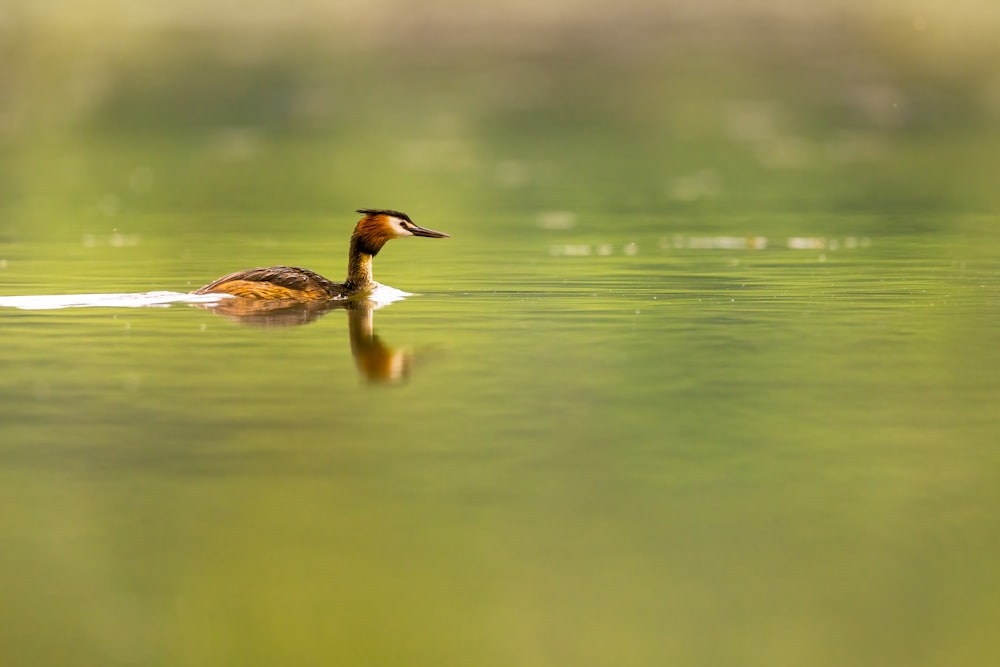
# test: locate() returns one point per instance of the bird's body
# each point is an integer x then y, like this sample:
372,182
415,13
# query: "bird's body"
291,283
277,282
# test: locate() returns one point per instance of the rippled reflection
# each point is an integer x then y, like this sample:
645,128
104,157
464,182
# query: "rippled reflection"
376,361
268,313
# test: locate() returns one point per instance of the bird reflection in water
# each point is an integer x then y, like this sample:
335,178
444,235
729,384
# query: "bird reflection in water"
377,362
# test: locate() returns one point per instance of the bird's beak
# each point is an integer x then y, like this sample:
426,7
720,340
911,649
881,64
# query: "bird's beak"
429,233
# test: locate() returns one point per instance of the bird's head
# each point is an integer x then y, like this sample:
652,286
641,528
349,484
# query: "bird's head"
378,226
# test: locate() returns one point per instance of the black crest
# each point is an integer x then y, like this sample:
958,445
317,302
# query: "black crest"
384,211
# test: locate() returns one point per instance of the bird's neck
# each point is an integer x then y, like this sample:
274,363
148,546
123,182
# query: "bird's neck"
359,264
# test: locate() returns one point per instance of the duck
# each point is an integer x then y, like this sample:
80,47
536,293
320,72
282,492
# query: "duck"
376,227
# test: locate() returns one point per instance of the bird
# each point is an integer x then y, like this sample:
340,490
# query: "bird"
293,284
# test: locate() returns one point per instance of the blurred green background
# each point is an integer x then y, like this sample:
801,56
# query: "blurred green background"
123,108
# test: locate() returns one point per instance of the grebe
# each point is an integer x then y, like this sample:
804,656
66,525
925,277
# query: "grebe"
290,283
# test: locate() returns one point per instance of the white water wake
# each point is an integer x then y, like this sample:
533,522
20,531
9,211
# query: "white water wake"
127,300
382,295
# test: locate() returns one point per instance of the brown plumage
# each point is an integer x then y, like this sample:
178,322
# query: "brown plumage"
290,283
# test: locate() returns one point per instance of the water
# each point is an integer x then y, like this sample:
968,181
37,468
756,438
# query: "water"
707,377
596,457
